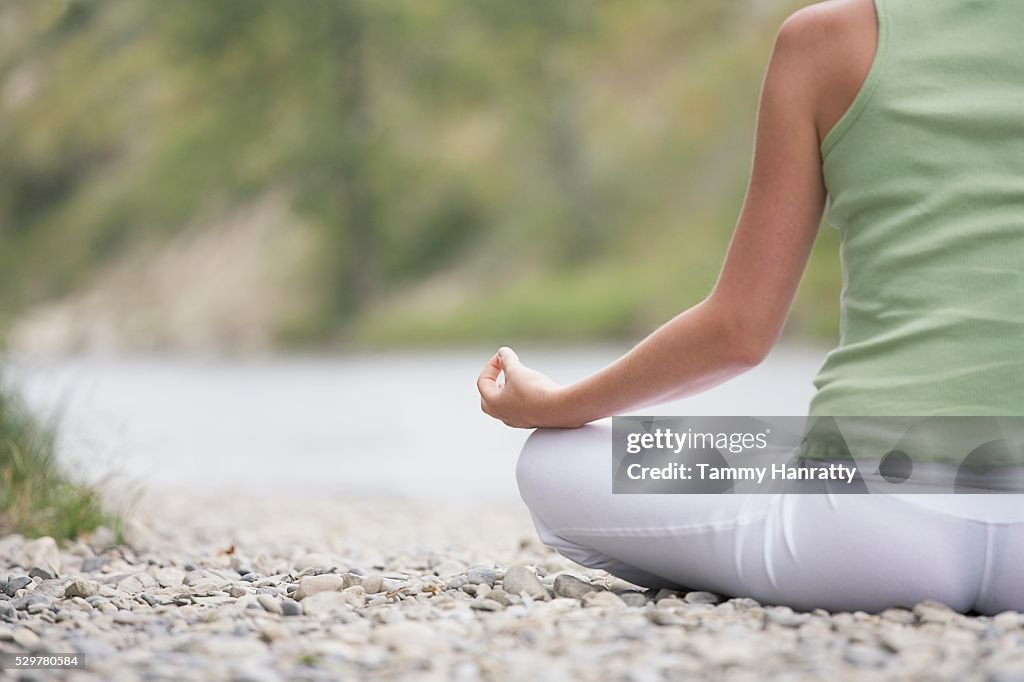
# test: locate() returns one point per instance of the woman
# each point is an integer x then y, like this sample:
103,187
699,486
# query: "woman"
905,115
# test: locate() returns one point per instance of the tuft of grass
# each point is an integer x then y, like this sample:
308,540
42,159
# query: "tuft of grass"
36,496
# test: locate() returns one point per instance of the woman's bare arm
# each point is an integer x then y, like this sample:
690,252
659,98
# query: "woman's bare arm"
737,324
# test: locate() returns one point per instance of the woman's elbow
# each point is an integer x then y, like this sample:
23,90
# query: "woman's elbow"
742,338
748,341
749,353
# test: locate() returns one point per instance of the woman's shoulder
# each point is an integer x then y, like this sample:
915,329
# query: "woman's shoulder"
835,41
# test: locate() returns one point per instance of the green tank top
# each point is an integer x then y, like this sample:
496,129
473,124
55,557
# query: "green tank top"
925,179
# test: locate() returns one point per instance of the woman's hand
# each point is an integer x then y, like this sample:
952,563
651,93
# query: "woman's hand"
525,399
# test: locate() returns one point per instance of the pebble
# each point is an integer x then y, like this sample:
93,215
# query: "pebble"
785,617
22,603
137,582
15,584
520,580
633,598
481,575
898,616
41,573
934,612
702,598
570,586
458,582
665,594
290,607
603,600
499,595
327,582
270,604
53,587
151,599
373,583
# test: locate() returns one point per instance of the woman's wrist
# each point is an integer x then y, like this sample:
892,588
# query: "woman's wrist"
567,408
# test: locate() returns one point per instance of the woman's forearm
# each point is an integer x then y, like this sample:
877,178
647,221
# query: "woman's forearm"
694,351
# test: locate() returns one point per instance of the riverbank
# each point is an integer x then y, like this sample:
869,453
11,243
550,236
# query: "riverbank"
257,588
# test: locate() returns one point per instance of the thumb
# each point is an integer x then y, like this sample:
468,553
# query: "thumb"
509,359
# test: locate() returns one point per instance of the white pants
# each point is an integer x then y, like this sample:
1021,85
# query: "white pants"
841,552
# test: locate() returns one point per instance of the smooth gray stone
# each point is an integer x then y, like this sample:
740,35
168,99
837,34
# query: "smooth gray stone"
83,588
22,603
453,584
290,607
15,584
665,593
633,598
151,599
572,587
41,573
481,575
519,580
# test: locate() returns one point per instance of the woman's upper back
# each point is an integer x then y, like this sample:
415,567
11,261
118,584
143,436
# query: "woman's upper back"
924,166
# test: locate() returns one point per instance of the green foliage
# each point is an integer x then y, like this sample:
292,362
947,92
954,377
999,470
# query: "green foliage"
36,496
513,148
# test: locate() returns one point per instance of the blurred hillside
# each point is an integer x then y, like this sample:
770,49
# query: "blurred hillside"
247,174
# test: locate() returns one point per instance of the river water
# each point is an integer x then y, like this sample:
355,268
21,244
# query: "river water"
403,423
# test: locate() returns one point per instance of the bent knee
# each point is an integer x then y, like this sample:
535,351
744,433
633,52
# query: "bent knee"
538,450
553,460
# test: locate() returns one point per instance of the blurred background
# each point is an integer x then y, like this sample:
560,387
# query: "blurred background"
274,242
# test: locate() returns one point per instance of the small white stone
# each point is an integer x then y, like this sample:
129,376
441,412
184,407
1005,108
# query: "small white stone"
312,584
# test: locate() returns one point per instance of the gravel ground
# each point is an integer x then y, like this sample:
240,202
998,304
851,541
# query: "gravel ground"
256,588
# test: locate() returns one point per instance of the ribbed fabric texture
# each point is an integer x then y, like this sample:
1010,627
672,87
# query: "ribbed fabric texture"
925,177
